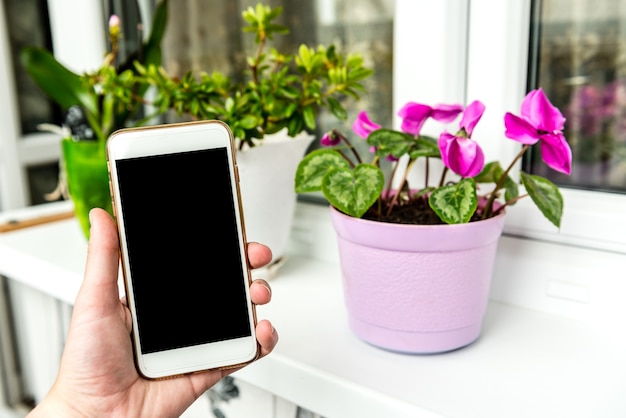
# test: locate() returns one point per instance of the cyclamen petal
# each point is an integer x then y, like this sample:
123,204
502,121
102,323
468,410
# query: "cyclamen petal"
459,152
471,116
465,157
413,117
362,126
446,113
444,140
414,111
541,113
556,153
519,129
541,121
329,139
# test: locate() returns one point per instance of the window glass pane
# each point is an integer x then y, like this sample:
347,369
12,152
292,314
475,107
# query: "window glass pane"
579,58
28,24
206,35
43,182
130,17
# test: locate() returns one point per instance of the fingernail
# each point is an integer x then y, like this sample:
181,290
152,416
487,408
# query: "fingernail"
267,286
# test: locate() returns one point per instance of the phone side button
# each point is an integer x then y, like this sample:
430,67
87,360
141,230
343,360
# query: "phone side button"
236,173
112,200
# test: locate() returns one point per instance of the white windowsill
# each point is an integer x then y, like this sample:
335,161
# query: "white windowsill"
539,358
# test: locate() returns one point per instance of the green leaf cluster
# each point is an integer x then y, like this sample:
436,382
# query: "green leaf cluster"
355,187
350,189
279,91
110,96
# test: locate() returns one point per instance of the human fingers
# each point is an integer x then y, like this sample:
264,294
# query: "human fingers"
267,336
258,254
260,291
101,269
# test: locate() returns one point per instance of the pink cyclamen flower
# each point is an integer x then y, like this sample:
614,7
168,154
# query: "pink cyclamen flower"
415,114
362,126
330,139
540,120
460,153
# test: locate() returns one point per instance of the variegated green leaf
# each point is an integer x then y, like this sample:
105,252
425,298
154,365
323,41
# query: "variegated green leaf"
314,166
390,142
425,146
353,191
546,196
456,203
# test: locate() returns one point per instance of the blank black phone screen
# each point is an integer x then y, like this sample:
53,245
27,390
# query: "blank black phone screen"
183,250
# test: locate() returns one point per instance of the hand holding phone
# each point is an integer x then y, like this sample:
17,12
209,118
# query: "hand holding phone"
176,200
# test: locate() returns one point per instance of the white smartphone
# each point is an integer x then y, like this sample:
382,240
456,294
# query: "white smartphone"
175,192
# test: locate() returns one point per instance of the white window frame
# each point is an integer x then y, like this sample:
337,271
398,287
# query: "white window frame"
80,46
459,51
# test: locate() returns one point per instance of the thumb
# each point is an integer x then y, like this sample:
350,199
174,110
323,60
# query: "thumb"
99,286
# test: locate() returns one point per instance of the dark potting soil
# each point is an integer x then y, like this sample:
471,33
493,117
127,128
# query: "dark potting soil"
415,211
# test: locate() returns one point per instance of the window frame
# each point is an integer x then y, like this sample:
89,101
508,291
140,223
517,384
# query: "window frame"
467,62
78,53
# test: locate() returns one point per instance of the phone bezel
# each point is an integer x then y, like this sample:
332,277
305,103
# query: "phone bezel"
162,140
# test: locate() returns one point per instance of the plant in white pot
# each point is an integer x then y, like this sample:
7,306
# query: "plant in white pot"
417,260
280,94
272,114
97,102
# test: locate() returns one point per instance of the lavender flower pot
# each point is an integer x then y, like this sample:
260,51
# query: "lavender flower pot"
416,288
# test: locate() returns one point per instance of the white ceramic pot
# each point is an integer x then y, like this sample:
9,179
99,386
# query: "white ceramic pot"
266,175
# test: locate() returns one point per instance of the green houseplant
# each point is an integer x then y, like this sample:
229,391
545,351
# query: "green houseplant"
278,90
417,260
280,93
271,107
108,98
97,103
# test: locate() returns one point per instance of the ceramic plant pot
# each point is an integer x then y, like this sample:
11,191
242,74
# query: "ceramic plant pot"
87,178
266,174
416,288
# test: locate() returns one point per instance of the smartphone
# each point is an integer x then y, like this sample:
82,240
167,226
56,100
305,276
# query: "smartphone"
176,200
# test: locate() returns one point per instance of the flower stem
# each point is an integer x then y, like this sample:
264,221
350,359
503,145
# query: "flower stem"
488,212
426,172
347,141
510,202
443,176
254,68
402,183
393,174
